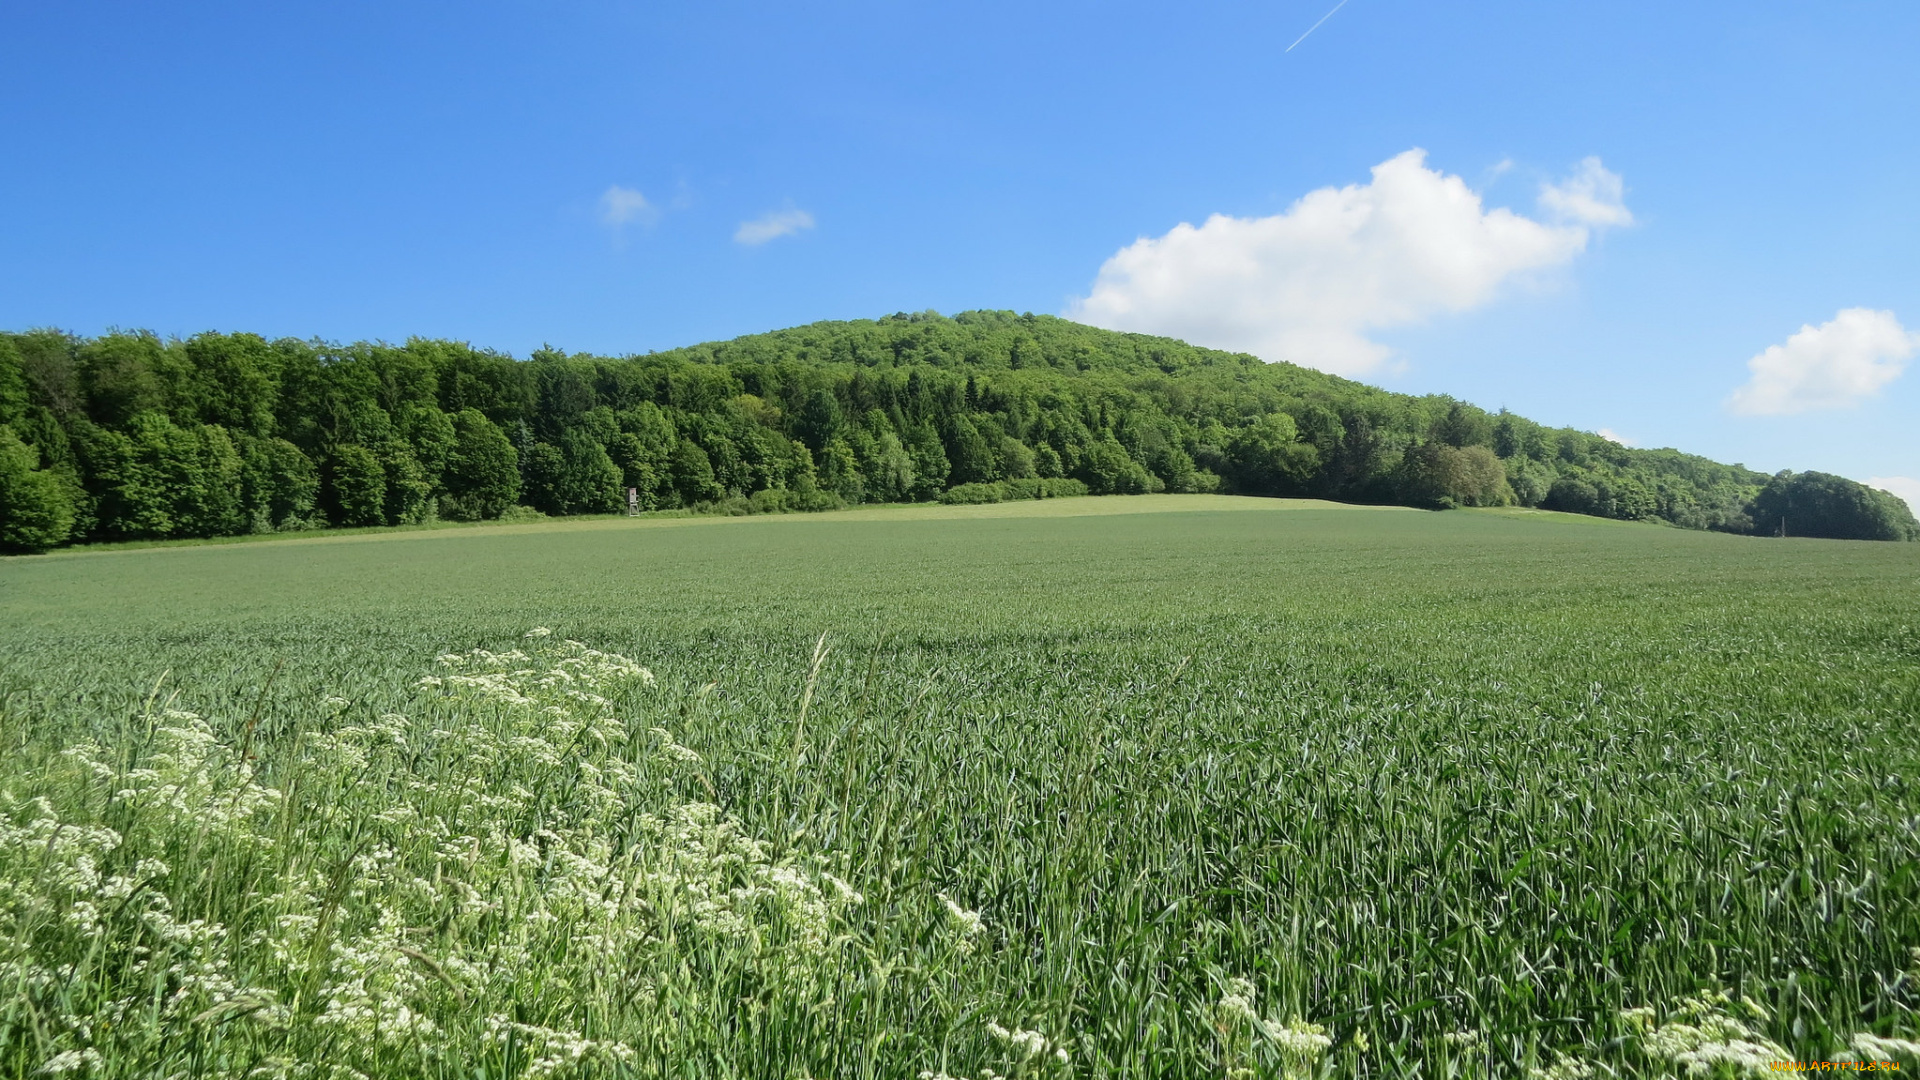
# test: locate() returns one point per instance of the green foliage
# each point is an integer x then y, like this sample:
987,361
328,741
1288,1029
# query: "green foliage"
431,437
1268,458
690,475
839,471
123,375
1327,791
1830,507
1012,490
482,476
971,456
36,510
1587,491
356,486
409,490
899,409
279,485
235,381
1107,469
1442,475
157,479
13,382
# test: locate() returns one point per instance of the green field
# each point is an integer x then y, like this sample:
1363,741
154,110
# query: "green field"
1450,789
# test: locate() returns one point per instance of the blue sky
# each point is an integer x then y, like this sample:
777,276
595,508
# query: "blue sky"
619,178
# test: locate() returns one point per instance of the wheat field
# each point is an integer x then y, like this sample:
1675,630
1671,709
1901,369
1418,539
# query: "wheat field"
1153,786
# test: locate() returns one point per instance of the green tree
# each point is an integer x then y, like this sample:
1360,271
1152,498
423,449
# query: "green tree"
840,471
13,382
279,485
1462,425
1831,507
1268,458
430,435
130,498
52,375
1107,469
930,465
820,419
207,487
690,475
971,455
1440,474
409,490
1574,495
158,479
482,475
888,469
1529,479
120,375
236,381
36,510
643,451
356,486
575,477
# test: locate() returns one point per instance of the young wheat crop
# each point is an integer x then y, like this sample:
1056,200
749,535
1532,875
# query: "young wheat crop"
1364,812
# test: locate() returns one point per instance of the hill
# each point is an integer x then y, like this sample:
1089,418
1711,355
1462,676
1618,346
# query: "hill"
128,436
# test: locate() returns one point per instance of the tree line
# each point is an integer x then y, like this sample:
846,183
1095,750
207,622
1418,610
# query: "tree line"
130,436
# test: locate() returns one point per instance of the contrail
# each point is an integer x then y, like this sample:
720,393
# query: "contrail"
1316,26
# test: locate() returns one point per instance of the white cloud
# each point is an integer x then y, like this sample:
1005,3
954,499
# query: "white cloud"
1307,285
1591,196
621,206
1831,366
1905,487
1615,437
772,226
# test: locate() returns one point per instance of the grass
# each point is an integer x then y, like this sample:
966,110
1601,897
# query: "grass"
1451,790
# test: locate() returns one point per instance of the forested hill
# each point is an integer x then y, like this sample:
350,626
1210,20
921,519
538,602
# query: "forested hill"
130,436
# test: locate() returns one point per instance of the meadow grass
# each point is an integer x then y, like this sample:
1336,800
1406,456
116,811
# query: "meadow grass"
1155,786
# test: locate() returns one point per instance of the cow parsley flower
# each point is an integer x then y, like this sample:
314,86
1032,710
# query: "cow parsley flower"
1028,1047
1563,1068
1300,1044
963,925
72,1061
1870,1047
1702,1038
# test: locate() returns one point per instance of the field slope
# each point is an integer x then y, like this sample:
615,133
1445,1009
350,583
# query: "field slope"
1125,787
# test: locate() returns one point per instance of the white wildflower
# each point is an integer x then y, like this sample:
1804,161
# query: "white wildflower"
72,1061
1028,1046
1870,1047
842,892
538,632
1702,1038
964,925
1236,1006
1300,1044
1563,1068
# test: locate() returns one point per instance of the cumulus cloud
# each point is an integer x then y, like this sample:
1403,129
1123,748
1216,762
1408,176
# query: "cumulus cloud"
1307,285
1831,366
1613,436
622,206
1904,486
772,226
1591,196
